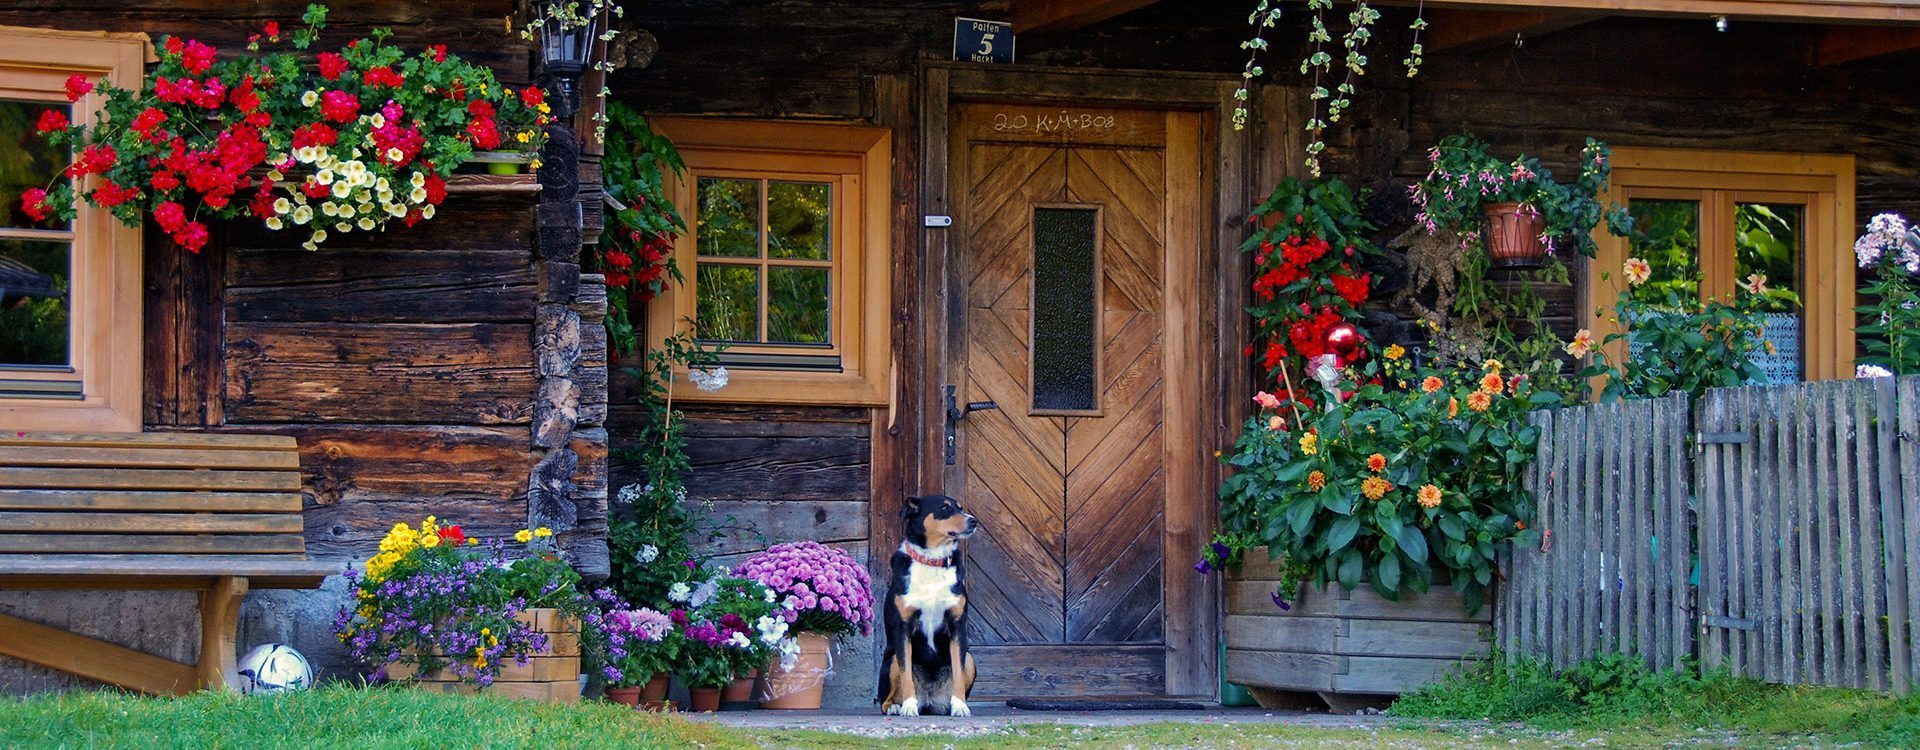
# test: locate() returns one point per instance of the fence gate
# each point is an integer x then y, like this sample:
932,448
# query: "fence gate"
1810,532
1610,569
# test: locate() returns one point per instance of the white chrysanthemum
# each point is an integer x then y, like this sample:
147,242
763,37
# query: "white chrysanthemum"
396,210
303,214
309,98
383,186
274,223
366,224
708,380
282,205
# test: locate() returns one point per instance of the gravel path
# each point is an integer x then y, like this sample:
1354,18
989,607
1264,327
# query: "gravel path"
995,718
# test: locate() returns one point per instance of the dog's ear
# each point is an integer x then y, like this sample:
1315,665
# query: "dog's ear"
911,507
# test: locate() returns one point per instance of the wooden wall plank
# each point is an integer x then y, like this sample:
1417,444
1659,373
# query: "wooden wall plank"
479,373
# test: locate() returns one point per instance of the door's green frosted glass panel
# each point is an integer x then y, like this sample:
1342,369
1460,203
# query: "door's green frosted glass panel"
799,220
798,305
727,303
1065,308
26,160
1667,236
35,302
729,218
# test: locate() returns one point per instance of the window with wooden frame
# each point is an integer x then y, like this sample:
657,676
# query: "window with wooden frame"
785,258
69,294
1708,220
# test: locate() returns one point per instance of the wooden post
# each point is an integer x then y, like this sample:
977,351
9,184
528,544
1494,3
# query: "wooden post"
219,617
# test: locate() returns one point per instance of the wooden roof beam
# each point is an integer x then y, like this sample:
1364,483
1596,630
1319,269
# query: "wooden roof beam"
1455,30
1804,11
1062,16
1840,45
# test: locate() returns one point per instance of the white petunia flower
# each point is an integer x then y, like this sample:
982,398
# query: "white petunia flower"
282,205
417,195
419,179
426,212
324,177
309,98
274,223
367,224
330,209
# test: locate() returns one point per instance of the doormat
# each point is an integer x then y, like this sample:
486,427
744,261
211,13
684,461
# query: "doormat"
1110,704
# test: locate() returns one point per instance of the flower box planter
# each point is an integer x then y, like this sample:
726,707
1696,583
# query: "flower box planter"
551,675
1348,647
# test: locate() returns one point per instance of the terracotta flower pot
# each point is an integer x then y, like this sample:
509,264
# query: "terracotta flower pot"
799,687
703,700
1513,236
739,695
625,696
653,695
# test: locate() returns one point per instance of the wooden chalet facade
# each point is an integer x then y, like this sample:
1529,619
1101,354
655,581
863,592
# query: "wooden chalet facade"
1121,111
455,368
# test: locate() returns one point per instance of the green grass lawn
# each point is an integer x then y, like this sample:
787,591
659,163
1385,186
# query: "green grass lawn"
345,717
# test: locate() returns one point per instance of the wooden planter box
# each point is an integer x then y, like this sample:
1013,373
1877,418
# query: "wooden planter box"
1348,647
550,675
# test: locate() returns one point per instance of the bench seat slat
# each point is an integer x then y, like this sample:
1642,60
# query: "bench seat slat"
153,544
147,479
54,522
184,440
224,502
147,458
59,571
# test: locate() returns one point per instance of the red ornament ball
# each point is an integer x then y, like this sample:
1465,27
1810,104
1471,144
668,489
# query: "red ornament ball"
1343,340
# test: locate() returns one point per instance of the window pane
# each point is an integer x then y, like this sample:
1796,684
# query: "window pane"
797,305
34,279
1064,248
1667,236
728,303
799,220
729,218
26,160
1767,240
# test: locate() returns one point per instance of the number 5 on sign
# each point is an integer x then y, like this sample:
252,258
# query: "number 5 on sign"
980,41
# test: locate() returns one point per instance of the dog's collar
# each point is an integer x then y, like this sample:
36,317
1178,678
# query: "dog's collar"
920,556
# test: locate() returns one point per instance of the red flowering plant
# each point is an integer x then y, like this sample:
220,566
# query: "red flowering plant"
635,249
1308,281
343,142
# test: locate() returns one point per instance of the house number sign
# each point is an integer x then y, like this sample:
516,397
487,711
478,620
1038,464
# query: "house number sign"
980,41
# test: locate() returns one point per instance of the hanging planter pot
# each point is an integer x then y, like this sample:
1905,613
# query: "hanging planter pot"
1513,236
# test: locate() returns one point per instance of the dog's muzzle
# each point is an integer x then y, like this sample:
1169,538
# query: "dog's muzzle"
973,525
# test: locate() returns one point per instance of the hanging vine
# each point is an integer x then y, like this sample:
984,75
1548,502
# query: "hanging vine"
1318,64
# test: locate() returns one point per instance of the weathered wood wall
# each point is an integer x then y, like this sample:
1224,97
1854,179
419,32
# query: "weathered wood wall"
454,368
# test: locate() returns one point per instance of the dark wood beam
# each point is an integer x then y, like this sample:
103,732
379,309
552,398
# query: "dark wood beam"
1804,11
1840,45
1061,16
1455,30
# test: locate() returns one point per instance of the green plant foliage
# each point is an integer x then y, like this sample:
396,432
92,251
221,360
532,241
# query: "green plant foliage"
1307,258
649,531
1465,177
635,248
1890,251
1690,345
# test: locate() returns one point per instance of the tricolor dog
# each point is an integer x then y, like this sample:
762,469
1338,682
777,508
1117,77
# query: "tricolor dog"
927,669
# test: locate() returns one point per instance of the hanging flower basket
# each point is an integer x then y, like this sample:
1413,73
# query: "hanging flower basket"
1515,236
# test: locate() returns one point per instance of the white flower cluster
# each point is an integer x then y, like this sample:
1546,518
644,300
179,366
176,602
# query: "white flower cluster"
1871,371
772,629
359,197
1887,234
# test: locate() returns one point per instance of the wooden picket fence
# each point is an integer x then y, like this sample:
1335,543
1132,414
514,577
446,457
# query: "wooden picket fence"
1799,504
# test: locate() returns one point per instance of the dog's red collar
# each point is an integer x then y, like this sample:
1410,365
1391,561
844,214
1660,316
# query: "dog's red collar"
919,557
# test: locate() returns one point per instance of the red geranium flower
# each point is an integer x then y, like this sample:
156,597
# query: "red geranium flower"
339,106
533,96
77,86
192,236
148,119
197,57
436,189
93,159
439,52
273,30
51,120
170,216
34,202
175,45
110,195
383,76
332,65
453,535
164,180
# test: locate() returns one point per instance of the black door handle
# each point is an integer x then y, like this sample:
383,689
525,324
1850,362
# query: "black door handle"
956,412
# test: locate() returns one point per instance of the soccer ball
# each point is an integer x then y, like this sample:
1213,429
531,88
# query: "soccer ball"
273,668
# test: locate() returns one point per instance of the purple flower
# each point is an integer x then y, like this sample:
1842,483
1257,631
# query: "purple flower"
1281,602
1202,567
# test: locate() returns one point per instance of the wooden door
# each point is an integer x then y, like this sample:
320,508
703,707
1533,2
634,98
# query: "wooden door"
1079,240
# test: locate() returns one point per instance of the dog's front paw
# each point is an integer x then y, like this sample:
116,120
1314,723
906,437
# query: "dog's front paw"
959,708
890,709
910,707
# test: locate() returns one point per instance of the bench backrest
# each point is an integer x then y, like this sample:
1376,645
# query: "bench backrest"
150,494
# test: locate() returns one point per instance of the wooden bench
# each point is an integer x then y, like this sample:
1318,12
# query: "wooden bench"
217,514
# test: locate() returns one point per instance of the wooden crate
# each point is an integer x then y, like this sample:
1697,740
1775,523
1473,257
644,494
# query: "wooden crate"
1339,644
550,675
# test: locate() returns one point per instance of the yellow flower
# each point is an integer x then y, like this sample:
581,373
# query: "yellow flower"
1309,444
472,541
1375,488
543,532
522,136
1432,383
1492,365
535,164
1429,496
1317,480
523,536
1395,352
430,541
1479,401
